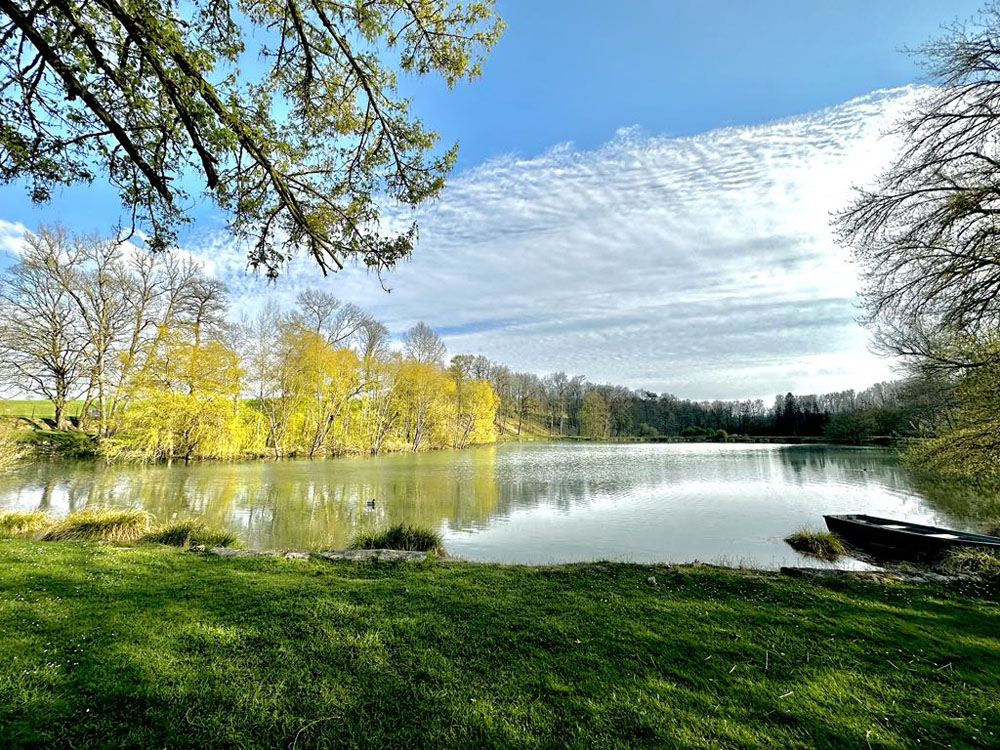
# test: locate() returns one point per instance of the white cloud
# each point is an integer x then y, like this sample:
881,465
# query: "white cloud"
704,266
11,237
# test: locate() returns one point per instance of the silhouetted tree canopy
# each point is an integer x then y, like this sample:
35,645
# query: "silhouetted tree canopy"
926,234
286,110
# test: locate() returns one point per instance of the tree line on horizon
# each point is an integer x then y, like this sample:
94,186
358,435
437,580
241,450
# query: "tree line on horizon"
145,342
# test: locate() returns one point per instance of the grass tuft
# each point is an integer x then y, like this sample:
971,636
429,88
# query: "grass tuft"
188,533
965,560
113,525
22,523
822,544
400,536
991,527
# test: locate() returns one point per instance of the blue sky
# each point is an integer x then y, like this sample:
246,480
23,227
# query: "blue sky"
577,70
571,71
642,196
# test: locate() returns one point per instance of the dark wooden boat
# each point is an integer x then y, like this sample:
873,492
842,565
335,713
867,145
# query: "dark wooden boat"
902,540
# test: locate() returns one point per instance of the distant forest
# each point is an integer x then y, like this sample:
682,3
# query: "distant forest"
573,406
163,372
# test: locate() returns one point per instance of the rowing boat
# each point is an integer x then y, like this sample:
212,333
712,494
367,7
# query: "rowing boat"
904,540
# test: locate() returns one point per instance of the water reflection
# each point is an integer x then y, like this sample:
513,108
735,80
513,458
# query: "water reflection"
529,503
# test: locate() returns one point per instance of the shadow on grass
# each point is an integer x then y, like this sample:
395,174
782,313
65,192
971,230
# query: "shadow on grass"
150,647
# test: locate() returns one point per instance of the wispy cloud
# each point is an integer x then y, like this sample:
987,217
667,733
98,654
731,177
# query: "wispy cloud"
11,237
704,266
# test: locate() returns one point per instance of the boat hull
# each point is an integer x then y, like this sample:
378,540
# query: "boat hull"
884,537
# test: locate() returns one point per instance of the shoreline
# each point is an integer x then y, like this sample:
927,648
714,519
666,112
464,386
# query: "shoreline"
56,445
877,575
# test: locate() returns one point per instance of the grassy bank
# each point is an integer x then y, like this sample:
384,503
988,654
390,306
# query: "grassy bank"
36,408
152,646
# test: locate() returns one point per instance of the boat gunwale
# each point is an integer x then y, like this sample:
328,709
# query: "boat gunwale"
915,530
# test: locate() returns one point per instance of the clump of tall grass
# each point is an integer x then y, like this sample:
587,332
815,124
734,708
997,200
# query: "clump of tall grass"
400,536
22,523
968,560
112,525
991,527
822,544
187,533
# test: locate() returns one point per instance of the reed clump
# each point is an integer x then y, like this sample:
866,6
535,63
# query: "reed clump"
190,532
822,544
22,523
400,537
970,561
107,524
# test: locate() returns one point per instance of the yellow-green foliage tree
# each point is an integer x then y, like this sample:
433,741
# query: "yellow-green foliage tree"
968,442
186,405
477,415
286,384
322,388
428,403
595,416
379,409
327,377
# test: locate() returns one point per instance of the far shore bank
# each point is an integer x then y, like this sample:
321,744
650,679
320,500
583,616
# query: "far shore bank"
45,443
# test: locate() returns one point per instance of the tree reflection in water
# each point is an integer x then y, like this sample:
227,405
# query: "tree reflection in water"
528,502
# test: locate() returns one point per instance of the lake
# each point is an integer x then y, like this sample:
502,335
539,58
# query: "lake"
528,502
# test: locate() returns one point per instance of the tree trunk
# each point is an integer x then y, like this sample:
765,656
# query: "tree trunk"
59,407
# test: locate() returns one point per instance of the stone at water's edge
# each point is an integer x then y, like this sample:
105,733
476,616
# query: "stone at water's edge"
379,555
375,555
879,576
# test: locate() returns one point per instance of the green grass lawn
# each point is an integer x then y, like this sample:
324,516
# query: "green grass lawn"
155,647
36,409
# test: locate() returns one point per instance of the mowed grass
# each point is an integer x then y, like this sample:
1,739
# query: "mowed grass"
102,646
36,409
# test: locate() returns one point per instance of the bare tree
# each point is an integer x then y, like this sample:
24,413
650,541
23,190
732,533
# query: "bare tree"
339,322
95,277
926,235
143,289
423,345
372,340
203,307
316,308
528,394
43,338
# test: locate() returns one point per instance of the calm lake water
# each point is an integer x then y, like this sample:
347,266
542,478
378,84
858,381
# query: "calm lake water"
529,502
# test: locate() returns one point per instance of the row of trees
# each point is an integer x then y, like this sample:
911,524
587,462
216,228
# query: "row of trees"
144,341
885,409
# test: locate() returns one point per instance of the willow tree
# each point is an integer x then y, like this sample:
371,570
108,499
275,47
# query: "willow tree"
971,444
284,112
